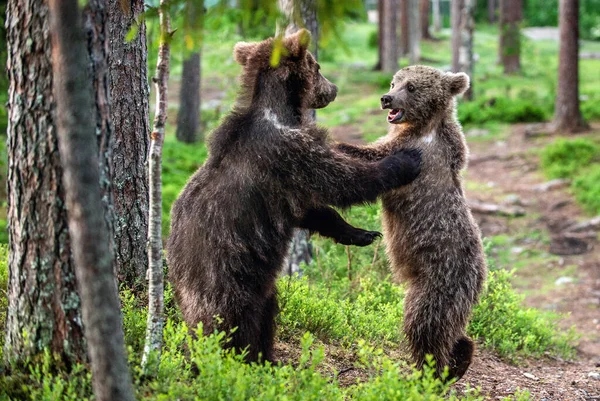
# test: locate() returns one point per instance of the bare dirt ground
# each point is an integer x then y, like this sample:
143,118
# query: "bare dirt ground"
507,172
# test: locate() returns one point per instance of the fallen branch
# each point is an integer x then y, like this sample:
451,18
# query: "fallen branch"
493,209
552,185
589,225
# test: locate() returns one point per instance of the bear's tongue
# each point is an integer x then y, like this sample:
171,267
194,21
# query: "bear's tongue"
395,115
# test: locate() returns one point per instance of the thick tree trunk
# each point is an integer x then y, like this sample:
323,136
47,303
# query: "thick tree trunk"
492,11
567,115
301,13
42,296
511,14
389,37
154,327
188,116
437,21
463,25
424,14
414,32
130,117
87,223
403,15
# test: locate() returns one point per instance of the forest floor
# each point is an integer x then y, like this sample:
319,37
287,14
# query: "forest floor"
506,171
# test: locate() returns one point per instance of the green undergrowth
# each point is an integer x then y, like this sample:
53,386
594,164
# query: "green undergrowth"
578,160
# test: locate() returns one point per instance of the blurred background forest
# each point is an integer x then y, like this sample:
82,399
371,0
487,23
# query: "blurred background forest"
533,182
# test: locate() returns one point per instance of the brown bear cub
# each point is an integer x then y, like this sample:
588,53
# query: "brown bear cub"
432,240
269,170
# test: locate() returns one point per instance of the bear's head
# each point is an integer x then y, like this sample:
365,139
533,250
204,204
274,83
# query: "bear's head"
419,94
295,80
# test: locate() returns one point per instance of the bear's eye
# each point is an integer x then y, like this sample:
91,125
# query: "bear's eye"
410,87
392,85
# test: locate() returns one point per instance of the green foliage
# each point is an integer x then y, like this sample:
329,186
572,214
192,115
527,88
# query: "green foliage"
3,293
503,109
566,157
587,189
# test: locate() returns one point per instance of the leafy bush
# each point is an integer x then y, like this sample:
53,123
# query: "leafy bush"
566,157
587,189
502,109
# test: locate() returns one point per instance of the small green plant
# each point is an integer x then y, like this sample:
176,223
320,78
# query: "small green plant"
587,189
566,157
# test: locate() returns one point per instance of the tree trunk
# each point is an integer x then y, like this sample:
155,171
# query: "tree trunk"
379,34
154,328
42,297
437,21
188,116
414,32
463,25
389,37
87,223
130,117
301,13
424,14
403,15
567,115
492,11
511,14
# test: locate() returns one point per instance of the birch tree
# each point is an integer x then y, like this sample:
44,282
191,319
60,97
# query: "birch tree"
81,175
154,328
414,32
437,21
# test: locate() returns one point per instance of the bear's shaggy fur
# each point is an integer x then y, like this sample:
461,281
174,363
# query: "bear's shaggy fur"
432,240
269,171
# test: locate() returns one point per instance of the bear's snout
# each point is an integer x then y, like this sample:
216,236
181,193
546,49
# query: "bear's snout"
386,101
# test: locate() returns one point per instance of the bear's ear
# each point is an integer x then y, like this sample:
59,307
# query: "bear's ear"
298,43
242,51
458,83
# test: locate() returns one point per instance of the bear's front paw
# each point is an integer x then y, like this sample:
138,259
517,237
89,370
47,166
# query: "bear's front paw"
402,167
359,238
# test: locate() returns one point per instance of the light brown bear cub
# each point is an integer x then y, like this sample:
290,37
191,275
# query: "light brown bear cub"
432,240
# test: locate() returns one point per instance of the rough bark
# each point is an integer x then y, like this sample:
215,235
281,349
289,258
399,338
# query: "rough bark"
492,11
154,328
42,297
389,36
87,223
424,15
188,116
130,116
437,21
511,14
403,15
301,13
567,114
463,25
414,32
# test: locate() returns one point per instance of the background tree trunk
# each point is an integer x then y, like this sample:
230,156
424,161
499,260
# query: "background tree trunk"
492,11
389,37
462,40
130,117
42,296
87,222
567,115
414,32
424,14
301,12
511,14
379,34
403,15
188,116
155,324
437,21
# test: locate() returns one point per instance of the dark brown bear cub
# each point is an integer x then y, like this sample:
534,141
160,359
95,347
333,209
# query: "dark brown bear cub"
432,239
269,171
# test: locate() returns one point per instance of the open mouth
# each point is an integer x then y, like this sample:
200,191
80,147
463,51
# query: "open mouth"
395,116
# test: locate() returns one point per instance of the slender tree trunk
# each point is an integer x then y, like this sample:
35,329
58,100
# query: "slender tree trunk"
389,37
567,115
301,13
492,11
464,37
87,222
188,116
414,32
437,21
379,34
424,14
130,117
403,15
154,329
511,14
42,297
455,20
